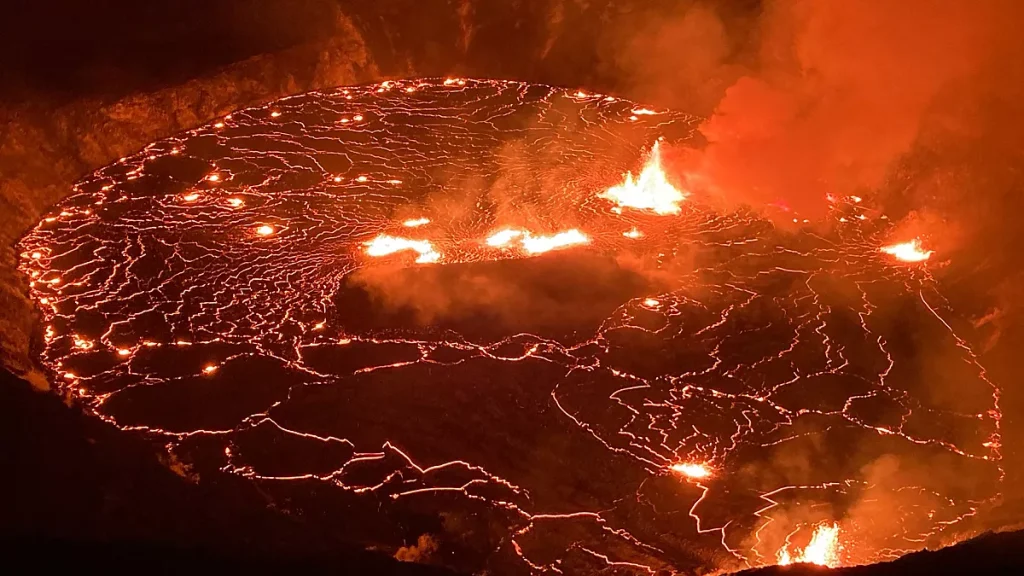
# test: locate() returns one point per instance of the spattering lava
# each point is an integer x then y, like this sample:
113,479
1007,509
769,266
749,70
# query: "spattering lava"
214,293
823,549
385,245
650,191
910,251
692,470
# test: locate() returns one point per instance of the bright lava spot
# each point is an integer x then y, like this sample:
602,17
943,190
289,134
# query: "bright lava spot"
384,245
650,191
644,112
532,244
416,222
213,177
823,549
337,178
37,255
651,302
908,251
362,179
691,470
191,197
633,233
502,238
123,351
275,114
265,230
209,369
540,244
236,202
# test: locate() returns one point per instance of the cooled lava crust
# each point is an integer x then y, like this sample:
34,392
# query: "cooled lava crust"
676,391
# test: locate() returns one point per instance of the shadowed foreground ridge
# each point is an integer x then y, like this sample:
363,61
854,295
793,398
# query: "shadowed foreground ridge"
82,494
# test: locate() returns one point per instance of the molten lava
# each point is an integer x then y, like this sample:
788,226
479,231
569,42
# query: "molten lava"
539,244
822,550
534,244
908,251
385,245
503,238
734,345
650,191
691,470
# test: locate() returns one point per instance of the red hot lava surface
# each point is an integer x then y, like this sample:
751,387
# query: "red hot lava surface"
446,299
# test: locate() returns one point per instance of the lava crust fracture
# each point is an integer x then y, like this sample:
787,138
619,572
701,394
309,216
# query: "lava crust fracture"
421,299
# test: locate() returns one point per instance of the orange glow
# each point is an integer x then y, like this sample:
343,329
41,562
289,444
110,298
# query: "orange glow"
823,549
209,369
650,191
123,351
416,222
384,245
691,469
265,230
908,251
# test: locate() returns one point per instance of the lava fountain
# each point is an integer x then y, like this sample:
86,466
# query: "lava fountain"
409,304
823,549
650,191
910,251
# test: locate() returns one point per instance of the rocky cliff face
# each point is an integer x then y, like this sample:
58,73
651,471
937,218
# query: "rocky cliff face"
44,150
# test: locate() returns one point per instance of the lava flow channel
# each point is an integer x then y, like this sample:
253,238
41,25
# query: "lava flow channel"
450,298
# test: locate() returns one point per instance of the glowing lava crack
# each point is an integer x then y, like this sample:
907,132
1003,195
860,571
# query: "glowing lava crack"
353,297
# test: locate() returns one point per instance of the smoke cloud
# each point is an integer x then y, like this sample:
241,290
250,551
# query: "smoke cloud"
841,93
807,98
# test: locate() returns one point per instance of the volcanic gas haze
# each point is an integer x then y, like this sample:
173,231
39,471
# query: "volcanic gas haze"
449,299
